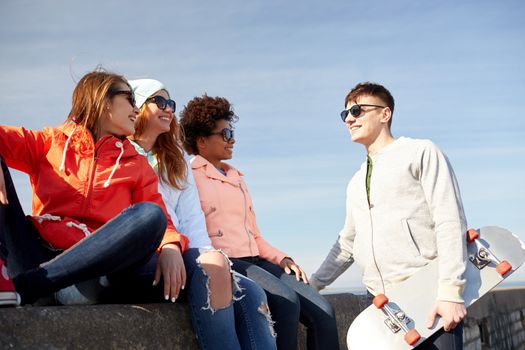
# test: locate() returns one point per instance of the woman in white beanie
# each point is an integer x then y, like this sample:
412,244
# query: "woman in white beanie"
229,311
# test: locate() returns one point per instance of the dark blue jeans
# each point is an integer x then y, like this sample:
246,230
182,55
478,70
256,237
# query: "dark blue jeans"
292,301
240,325
442,340
123,244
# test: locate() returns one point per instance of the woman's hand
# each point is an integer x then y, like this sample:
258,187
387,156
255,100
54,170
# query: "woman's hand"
288,265
170,267
3,192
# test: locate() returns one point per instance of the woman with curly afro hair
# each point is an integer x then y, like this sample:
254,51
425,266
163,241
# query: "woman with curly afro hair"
207,126
224,305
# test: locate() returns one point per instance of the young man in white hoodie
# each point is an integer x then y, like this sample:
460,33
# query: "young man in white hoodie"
403,210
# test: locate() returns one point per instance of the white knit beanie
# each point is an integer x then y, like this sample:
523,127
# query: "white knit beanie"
144,88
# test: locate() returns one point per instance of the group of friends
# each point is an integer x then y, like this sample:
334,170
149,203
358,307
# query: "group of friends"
121,214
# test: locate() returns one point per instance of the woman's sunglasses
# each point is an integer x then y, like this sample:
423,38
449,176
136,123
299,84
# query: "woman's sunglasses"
130,96
355,111
227,134
162,103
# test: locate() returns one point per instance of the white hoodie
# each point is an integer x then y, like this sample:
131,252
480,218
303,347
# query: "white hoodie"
415,215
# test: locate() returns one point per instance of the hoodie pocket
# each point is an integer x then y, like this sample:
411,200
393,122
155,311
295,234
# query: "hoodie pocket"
409,238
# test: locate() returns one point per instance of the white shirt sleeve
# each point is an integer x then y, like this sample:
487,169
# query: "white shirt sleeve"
190,216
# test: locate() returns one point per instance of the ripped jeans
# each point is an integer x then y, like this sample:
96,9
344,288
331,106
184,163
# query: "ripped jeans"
243,324
292,301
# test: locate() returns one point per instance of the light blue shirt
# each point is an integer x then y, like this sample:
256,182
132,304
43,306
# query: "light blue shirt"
183,206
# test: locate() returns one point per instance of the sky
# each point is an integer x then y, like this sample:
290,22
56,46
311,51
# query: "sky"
454,68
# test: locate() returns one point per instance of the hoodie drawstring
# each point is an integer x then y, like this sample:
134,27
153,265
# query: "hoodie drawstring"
49,217
63,163
120,145
81,227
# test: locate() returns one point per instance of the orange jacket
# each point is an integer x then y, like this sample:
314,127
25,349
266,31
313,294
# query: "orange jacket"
230,217
77,185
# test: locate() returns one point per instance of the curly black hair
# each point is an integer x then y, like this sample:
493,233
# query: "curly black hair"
199,116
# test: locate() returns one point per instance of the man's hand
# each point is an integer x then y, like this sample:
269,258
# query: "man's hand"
3,192
288,265
451,313
170,267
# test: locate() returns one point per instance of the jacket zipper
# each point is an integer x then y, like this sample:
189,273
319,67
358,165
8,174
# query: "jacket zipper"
93,165
370,206
245,217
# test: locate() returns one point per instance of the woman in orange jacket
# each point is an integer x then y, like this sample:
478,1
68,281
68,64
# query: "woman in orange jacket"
206,123
97,213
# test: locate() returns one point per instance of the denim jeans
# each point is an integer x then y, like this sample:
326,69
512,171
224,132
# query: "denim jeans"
292,301
442,340
124,243
240,325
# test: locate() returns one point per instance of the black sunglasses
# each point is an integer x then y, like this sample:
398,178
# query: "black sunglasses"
356,110
129,95
227,134
162,103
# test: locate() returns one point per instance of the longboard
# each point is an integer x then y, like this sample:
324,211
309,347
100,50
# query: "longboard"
397,321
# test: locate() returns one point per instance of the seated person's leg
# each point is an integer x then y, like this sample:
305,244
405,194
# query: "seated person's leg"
127,239
217,267
20,245
283,302
209,288
253,318
316,314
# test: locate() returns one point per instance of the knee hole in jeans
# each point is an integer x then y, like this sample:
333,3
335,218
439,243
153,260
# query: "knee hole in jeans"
216,267
265,311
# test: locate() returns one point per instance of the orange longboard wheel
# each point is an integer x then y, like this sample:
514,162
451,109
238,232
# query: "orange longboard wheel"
412,336
380,300
472,234
503,267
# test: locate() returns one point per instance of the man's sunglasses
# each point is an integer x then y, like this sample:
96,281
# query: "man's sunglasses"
227,134
162,103
129,95
356,110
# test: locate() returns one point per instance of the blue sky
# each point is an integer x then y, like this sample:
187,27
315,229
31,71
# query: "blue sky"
455,69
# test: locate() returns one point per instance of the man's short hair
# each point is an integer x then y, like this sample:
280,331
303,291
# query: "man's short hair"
371,89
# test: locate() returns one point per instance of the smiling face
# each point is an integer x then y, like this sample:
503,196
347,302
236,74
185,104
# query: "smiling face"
213,147
121,114
371,123
158,120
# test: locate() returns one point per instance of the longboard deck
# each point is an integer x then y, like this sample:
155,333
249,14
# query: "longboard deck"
416,295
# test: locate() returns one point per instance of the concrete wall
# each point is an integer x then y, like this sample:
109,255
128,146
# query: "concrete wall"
495,322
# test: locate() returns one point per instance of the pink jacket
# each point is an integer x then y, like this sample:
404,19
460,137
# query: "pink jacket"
230,217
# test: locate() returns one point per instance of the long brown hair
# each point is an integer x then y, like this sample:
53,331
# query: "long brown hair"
90,97
167,149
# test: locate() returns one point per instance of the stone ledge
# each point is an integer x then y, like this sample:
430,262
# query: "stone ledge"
149,326
168,326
